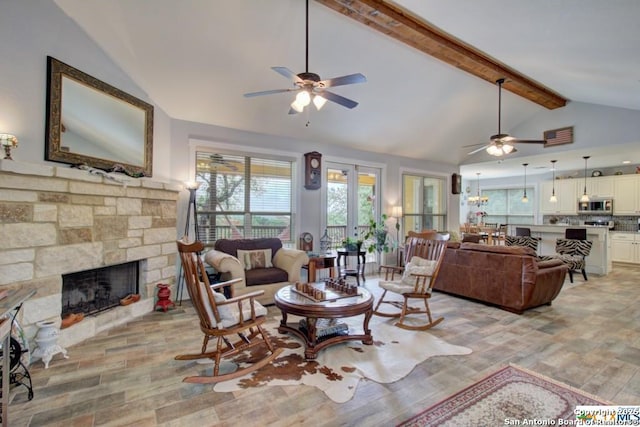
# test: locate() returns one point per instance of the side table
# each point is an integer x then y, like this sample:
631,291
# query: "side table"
320,263
343,255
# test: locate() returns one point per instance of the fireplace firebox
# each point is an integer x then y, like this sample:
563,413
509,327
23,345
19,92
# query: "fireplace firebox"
93,291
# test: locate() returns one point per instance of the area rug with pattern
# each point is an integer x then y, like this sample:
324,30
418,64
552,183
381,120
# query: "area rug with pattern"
510,396
338,369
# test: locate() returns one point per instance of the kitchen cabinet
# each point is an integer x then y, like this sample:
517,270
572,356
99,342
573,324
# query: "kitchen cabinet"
626,200
625,247
567,203
599,187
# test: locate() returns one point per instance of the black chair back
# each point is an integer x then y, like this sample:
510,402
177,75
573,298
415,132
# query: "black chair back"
575,233
523,232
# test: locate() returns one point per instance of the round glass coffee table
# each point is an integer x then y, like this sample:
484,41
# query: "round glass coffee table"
317,313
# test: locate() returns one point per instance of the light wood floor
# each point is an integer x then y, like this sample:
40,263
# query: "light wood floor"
589,338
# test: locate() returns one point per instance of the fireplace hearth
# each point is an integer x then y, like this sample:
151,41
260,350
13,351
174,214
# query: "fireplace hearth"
93,291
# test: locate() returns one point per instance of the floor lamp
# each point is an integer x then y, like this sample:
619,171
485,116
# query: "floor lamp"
396,212
191,210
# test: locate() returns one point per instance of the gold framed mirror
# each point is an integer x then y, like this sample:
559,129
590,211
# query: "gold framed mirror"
91,122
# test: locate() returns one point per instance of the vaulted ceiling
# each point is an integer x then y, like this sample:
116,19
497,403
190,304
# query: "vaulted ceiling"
197,58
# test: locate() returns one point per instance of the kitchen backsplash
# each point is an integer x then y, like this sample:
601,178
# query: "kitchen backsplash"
622,223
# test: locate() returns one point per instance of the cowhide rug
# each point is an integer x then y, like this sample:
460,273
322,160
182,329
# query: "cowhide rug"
339,368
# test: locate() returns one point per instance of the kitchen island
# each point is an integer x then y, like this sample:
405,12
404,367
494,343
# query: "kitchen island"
598,262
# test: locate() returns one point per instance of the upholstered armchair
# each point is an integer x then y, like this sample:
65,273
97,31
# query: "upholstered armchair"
573,253
526,241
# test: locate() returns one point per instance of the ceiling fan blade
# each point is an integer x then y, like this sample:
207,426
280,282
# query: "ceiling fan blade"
345,102
529,141
284,71
477,150
475,145
344,80
267,92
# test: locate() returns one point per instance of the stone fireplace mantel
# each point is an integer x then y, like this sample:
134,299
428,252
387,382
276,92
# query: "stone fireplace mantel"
58,220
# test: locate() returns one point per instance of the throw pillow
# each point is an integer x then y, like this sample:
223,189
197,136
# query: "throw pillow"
417,265
224,311
260,258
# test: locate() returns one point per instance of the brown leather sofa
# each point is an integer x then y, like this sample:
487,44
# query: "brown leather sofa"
510,277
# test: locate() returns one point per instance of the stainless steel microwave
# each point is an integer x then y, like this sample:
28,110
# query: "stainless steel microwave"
596,206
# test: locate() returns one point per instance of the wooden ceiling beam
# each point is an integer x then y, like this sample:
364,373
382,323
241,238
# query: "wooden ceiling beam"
402,25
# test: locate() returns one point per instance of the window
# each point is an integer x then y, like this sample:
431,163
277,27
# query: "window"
505,206
424,203
243,197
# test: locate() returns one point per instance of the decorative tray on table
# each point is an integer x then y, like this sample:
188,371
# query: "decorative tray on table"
330,290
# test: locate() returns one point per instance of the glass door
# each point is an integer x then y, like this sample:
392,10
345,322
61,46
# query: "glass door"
351,201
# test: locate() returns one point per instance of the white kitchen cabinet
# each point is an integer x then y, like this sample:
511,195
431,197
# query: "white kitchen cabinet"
625,247
599,187
626,195
565,192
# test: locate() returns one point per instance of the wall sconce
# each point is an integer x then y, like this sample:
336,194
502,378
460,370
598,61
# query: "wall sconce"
8,142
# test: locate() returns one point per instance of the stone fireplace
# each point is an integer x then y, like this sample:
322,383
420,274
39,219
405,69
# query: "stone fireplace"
58,221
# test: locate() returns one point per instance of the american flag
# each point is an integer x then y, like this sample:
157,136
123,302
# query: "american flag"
558,136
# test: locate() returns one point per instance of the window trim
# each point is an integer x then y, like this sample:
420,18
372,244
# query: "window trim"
296,159
446,179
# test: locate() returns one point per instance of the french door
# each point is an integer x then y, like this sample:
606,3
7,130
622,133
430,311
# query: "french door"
351,199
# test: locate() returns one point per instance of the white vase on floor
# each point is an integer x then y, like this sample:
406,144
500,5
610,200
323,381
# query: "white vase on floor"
47,342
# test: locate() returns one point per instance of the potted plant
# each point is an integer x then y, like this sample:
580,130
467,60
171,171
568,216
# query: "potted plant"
351,244
377,235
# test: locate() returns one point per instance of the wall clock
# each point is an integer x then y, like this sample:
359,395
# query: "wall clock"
456,184
306,242
312,170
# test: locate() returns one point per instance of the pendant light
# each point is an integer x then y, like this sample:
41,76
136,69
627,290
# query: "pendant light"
585,196
525,199
553,198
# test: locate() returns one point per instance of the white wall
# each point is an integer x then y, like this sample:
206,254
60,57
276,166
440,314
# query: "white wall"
593,125
310,208
30,31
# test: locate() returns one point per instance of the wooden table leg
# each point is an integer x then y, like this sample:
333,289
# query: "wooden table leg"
312,271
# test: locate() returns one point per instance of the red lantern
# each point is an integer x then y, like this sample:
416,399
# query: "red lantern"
164,294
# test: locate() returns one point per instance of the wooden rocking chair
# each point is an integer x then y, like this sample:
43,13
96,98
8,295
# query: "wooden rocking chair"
221,318
422,263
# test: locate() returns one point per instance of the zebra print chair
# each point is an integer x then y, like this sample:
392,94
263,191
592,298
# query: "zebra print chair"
527,241
573,253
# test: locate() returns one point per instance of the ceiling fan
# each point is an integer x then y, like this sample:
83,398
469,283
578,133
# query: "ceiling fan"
501,143
309,86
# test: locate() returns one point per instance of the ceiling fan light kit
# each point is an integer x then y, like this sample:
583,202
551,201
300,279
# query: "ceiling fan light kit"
308,85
